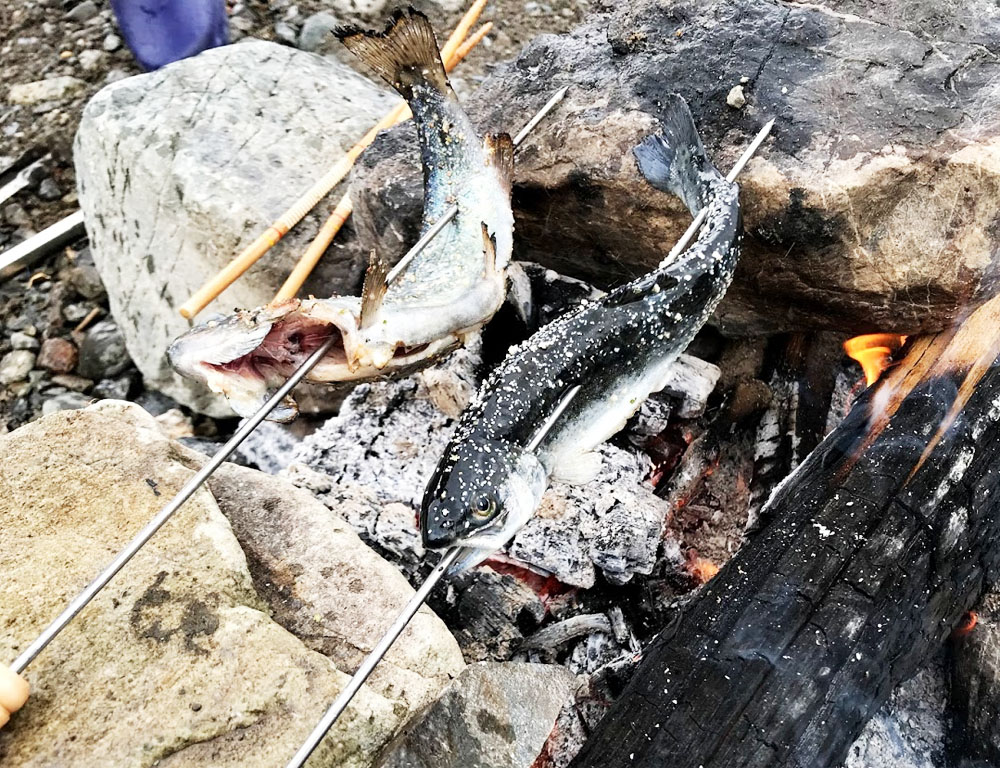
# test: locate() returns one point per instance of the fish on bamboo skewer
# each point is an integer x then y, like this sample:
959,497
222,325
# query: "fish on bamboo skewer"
616,350
447,292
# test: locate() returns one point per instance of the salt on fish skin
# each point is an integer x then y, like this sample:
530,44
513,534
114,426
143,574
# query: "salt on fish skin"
447,292
617,349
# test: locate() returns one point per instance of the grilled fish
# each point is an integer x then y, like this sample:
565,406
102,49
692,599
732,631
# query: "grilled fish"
617,349
449,290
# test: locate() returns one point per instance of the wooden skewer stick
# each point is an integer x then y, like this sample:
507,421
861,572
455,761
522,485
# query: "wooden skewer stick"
270,237
343,209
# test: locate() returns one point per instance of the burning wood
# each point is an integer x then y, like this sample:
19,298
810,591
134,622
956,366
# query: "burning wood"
873,550
873,352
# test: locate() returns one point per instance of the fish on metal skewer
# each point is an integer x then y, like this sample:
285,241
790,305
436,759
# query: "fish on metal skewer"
617,350
448,291
717,204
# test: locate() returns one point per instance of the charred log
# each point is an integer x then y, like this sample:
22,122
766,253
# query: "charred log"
870,554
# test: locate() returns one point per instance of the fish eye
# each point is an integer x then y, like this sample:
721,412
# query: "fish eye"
484,507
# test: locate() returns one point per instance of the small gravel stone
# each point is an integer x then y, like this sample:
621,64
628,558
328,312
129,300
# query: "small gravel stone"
90,59
75,383
58,355
74,313
316,30
114,389
86,280
736,98
16,365
102,351
49,190
285,32
68,401
112,43
52,89
20,340
83,12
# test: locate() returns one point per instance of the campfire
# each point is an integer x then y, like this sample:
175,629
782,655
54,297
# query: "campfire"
783,554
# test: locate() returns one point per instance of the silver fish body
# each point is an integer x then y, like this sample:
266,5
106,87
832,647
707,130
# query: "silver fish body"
617,349
449,290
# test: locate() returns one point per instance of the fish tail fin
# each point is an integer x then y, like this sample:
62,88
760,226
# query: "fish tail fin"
405,54
373,289
675,160
500,155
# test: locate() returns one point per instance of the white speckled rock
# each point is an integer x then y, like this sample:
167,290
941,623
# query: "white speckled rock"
181,168
177,662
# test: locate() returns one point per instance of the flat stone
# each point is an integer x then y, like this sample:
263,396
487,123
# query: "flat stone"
316,30
179,169
879,214
20,340
66,401
492,716
177,662
83,11
52,89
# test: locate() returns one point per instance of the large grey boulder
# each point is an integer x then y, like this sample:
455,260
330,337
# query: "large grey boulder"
872,207
179,169
177,662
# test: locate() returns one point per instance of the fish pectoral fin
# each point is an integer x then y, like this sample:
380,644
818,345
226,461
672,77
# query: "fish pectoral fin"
519,293
500,156
489,250
373,289
405,54
578,468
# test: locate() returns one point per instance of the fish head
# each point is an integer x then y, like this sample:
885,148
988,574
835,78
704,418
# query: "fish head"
481,494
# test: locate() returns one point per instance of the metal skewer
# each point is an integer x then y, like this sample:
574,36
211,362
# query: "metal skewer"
700,218
452,212
339,704
368,665
248,426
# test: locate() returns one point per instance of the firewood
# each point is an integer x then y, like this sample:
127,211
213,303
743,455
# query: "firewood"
869,556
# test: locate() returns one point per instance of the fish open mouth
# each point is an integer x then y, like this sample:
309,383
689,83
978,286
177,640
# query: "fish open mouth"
248,355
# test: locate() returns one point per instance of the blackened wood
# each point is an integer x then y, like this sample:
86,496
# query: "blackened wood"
975,689
859,573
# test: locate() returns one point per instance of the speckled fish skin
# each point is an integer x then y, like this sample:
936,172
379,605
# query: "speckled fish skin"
617,348
448,291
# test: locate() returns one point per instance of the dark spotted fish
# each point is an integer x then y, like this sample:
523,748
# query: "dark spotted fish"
448,291
617,349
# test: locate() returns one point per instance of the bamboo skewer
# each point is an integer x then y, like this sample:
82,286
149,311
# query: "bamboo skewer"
270,237
343,209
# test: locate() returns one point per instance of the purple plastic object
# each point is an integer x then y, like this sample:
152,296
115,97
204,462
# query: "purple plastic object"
161,31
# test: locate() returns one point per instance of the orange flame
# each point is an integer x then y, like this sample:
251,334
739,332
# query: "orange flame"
702,569
969,621
873,351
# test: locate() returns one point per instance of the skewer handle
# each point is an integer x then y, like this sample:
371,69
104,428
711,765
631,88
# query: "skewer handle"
14,691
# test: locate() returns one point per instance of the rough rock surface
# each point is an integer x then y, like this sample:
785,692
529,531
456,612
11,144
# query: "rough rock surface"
176,663
181,168
324,586
872,207
493,716
389,436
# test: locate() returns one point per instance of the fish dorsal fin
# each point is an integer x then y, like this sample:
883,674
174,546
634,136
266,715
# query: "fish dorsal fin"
405,54
373,289
489,249
500,155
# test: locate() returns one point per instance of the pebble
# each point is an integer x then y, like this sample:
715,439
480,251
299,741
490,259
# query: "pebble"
316,30
75,383
58,355
51,89
68,401
20,340
114,389
16,216
48,189
736,99
112,43
90,59
74,313
16,365
285,32
83,12
102,351
86,280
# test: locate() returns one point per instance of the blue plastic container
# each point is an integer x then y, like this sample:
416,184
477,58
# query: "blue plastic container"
161,31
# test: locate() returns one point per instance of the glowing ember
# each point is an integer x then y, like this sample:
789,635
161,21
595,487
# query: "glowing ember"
968,623
702,569
873,351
